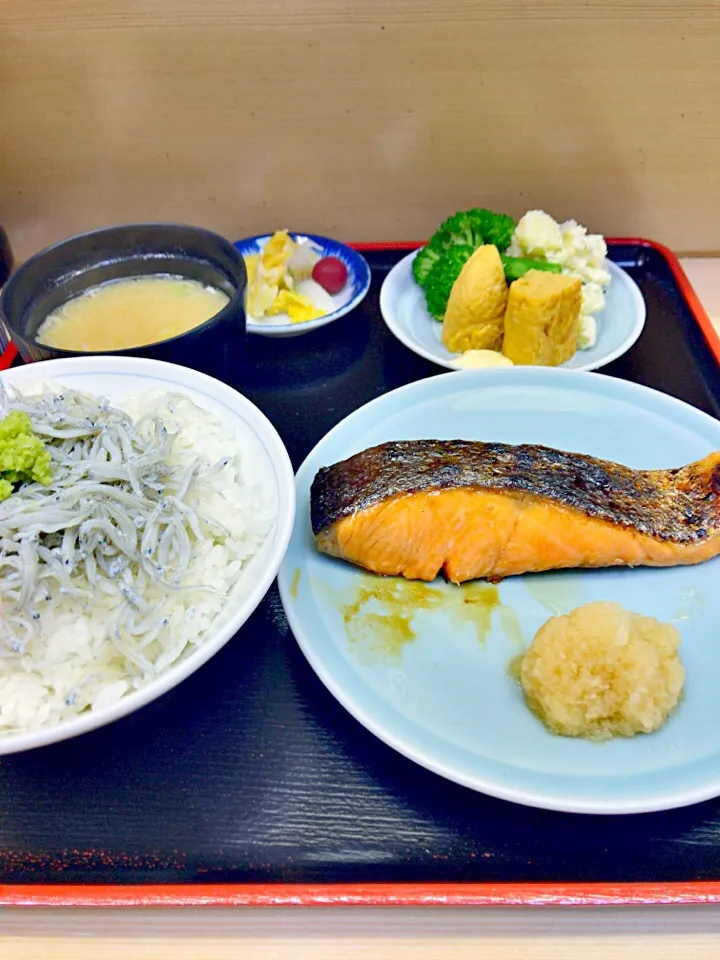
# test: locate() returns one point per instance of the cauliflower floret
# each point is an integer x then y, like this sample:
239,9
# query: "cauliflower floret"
587,332
536,235
591,248
590,274
593,299
596,249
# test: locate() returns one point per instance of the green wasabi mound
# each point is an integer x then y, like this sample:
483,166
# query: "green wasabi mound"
23,456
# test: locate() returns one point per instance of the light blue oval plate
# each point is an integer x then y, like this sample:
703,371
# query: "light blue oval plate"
446,699
350,297
405,312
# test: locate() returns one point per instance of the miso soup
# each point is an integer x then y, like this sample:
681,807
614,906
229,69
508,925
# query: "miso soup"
131,312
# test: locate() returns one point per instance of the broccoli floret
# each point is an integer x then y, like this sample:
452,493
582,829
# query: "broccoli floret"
516,267
496,228
424,262
462,229
439,281
474,228
468,228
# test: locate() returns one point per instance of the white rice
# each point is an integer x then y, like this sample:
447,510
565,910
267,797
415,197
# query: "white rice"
71,665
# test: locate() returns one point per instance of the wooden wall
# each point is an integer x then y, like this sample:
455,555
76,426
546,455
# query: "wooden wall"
366,119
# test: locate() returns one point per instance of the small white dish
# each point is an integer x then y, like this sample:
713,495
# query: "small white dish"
120,377
350,297
402,303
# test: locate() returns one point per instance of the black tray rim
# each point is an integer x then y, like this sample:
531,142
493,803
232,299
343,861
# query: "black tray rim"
390,894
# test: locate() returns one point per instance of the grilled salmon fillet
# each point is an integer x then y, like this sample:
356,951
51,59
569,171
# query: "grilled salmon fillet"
489,510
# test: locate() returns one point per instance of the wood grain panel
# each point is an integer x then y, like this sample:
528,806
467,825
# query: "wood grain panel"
366,119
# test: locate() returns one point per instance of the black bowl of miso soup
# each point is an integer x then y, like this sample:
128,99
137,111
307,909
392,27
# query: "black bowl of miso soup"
167,291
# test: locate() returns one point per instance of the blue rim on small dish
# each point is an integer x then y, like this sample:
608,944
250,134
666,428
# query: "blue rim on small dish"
350,297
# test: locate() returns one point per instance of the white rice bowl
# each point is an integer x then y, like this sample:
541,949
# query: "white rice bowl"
260,492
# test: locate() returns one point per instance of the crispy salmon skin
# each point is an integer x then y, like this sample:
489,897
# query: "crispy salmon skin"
472,510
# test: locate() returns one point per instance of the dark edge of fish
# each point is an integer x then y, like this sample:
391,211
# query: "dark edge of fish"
676,505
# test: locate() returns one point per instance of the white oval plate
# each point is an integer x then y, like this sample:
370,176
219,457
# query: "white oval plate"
116,378
447,701
405,312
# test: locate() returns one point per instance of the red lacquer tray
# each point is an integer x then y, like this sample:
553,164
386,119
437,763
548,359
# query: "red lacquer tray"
170,807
